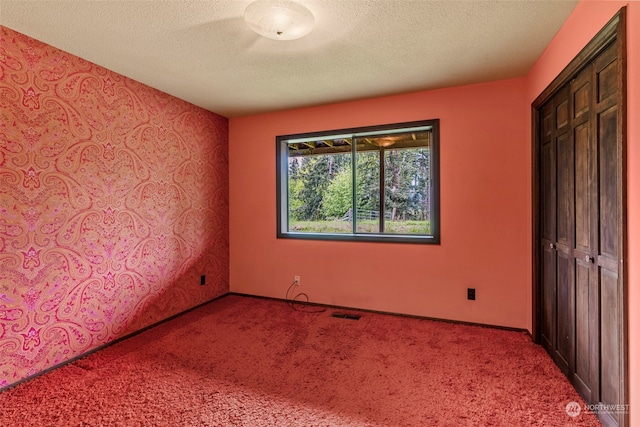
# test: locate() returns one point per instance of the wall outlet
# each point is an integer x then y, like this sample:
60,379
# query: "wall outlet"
296,280
203,280
471,294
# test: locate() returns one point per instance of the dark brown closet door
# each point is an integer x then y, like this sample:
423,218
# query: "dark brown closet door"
580,190
548,226
563,351
556,230
584,369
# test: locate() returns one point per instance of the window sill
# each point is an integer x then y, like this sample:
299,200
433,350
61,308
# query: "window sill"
380,238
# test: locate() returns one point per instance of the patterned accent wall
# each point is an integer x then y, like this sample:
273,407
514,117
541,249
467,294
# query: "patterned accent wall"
113,203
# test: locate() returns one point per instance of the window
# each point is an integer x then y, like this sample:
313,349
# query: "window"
371,184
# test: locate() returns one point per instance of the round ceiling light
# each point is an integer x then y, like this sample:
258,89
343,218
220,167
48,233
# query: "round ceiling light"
279,19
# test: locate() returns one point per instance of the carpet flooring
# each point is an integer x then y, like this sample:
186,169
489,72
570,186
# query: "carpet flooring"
242,361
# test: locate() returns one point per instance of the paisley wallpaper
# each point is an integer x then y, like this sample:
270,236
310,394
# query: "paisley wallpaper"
113,203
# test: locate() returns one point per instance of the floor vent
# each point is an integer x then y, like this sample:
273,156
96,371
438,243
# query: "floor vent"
345,316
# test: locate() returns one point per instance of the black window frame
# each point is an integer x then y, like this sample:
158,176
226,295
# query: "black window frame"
282,171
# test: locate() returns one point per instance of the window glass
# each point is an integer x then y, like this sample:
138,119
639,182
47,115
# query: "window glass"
374,184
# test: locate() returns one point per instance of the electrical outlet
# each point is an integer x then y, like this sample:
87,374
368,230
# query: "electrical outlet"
203,280
471,294
296,280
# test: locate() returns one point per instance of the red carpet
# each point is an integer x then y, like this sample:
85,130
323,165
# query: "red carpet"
243,361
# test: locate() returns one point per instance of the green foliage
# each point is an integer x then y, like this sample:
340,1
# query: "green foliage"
295,202
368,179
407,183
320,187
316,174
338,196
315,177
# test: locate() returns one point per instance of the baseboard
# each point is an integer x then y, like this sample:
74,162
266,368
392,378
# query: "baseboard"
390,313
110,343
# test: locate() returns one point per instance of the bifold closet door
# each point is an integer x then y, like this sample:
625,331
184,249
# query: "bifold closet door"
556,333
584,366
606,256
580,214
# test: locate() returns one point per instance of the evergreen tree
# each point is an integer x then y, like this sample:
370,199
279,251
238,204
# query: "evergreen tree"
316,173
368,179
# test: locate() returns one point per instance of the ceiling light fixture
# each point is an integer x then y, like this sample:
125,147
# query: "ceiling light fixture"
279,19
383,142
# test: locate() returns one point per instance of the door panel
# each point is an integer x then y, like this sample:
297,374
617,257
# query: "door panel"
607,76
610,366
548,324
607,132
581,90
562,113
583,357
563,313
583,179
563,188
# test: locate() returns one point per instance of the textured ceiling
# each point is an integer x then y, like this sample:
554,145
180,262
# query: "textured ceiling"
203,52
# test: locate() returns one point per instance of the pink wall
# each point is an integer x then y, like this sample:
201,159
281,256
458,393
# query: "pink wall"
585,21
485,198
113,202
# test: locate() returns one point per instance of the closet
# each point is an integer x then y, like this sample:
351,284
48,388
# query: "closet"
579,140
